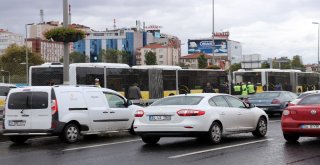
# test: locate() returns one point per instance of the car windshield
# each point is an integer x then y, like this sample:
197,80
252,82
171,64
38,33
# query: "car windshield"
302,95
266,95
310,99
178,100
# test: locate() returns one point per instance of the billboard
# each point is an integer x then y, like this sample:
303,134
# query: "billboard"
205,46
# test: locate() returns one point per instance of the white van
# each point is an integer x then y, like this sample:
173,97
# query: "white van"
66,111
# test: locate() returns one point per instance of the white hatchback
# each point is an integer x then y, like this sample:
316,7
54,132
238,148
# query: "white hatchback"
206,115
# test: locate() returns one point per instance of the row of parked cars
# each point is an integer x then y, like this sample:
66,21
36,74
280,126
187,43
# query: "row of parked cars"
71,111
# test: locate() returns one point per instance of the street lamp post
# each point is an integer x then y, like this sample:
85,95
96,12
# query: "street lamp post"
27,60
318,43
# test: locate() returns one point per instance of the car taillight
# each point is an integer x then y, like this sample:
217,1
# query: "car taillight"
139,113
190,112
275,101
288,112
54,106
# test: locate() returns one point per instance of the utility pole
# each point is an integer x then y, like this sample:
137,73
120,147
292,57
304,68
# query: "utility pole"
66,44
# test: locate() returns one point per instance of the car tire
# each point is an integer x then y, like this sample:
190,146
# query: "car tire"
19,139
70,134
215,133
291,138
150,139
261,128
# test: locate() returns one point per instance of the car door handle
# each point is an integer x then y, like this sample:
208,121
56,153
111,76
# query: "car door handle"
239,114
105,112
24,115
112,112
222,113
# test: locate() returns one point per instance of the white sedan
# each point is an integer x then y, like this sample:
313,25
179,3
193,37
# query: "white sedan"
206,115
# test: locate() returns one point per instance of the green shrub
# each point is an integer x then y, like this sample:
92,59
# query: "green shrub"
62,34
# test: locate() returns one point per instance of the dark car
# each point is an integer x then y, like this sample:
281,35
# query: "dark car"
272,101
302,119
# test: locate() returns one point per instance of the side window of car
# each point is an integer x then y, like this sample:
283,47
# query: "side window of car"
219,101
234,102
115,101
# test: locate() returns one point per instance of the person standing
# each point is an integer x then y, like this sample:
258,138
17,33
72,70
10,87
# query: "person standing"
134,92
97,82
208,88
237,89
244,89
251,88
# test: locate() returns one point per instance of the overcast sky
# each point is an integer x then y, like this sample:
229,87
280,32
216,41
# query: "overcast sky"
273,28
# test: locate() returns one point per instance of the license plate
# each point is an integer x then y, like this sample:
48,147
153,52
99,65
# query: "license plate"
159,118
17,123
310,126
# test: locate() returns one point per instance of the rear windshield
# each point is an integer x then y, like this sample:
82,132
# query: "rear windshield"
266,95
178,100
310,99
4,90
28,100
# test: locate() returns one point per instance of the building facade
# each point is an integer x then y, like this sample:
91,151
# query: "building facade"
191,60
165,54
8,38
49,51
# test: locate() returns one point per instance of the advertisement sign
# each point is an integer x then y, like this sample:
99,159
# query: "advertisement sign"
205,46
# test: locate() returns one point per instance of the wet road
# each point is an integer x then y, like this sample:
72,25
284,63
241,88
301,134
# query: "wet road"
122,149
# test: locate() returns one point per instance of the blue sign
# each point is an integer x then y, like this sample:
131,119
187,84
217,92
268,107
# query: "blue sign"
205,46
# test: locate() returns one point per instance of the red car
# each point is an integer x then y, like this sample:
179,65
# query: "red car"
302,119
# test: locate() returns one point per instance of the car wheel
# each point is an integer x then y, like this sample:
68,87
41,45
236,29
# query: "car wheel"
150,139
70,133
291,138
19,139
261,129
215,133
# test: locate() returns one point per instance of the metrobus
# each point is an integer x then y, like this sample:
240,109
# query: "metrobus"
155,81
291,80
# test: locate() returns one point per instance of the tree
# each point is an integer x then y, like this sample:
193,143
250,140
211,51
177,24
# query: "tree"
202,61
296,63
14,58
76,57
150,58
235,67
265,65
114,56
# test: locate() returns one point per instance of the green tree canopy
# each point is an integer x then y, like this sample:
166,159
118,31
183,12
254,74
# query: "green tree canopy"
150,58
265,65
76,57
296,63
14,58
202,61
114,56
235,67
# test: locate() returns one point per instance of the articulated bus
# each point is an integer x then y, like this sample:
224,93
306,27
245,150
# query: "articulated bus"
291,80
154,81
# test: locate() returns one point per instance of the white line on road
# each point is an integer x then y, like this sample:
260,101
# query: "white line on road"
274,121
100,145
220,148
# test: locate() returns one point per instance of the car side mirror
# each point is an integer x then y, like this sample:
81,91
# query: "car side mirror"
250,105
129,102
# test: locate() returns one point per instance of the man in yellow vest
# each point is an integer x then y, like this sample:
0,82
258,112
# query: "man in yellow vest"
251,88
237,89
244,89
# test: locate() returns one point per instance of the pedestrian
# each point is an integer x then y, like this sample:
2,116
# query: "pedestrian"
97,82
134,92
244,89
237,89
278,87
208,88
251,88
50,83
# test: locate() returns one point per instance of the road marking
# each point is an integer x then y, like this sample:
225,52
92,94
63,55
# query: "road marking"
216,149
100,145
274,121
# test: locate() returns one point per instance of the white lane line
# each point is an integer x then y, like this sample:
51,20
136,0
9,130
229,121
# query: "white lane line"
220,148
100,145
274,121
